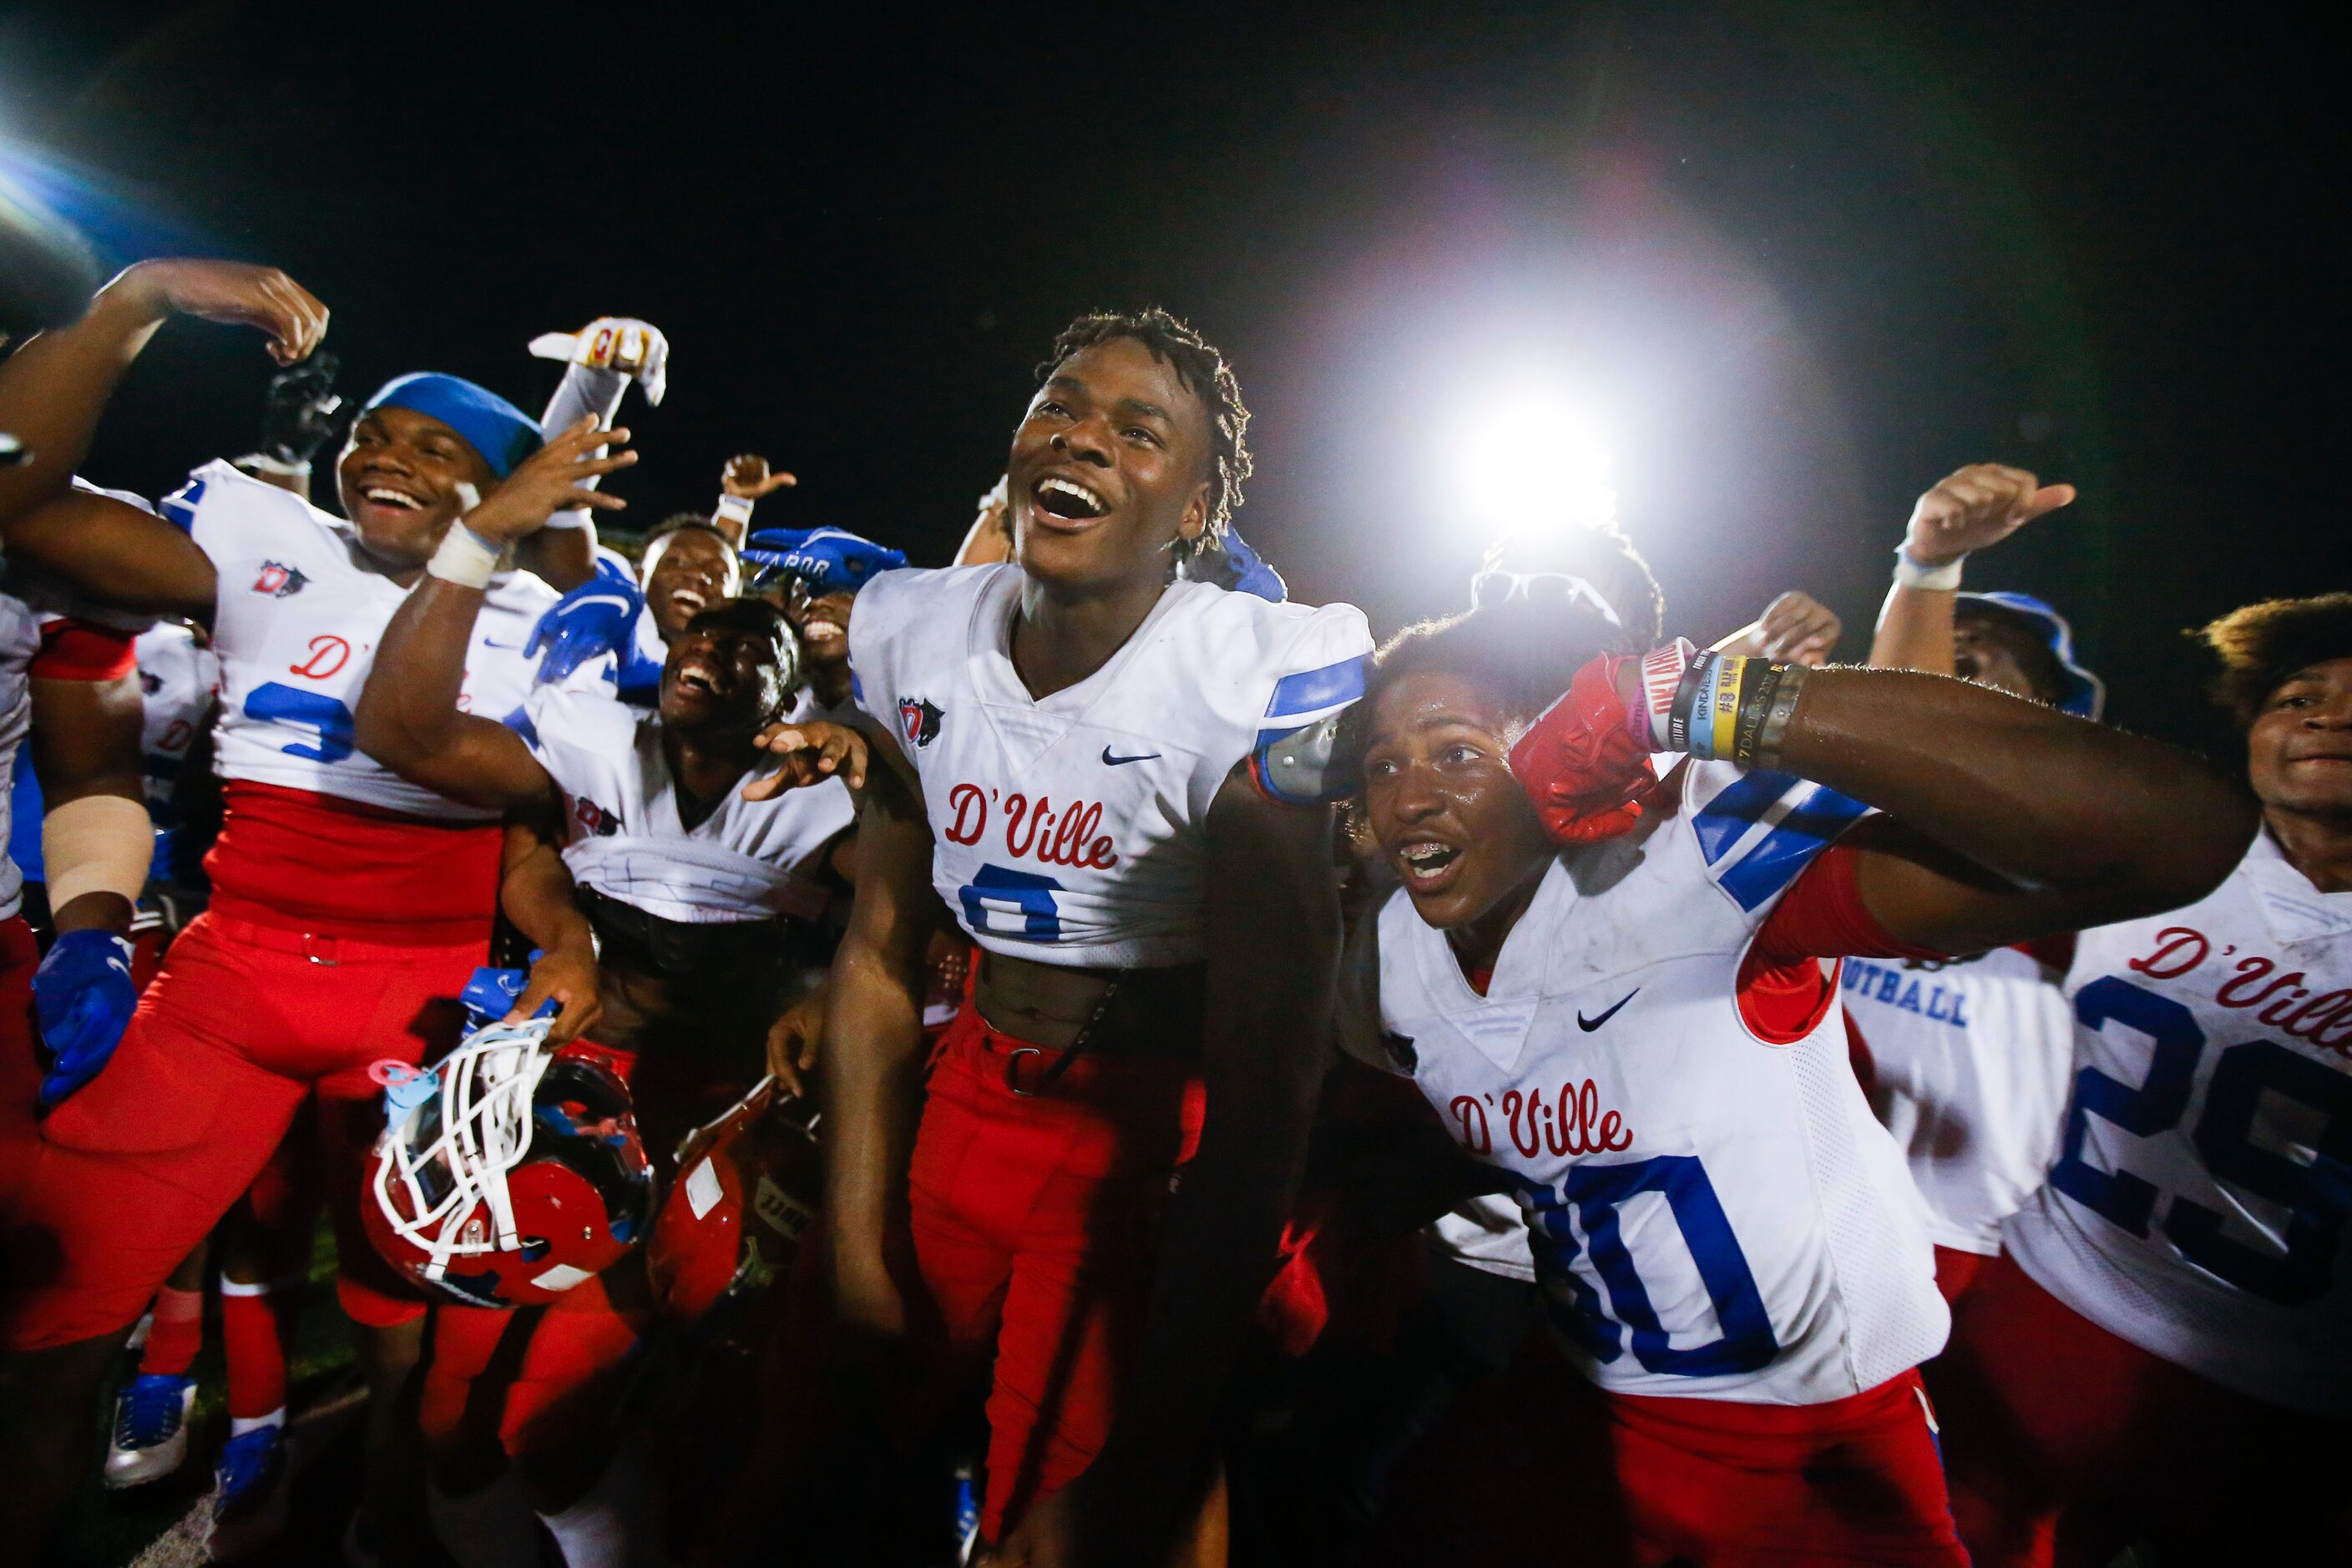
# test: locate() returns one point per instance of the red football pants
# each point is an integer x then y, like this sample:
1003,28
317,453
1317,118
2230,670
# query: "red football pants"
1539,1466
243,1022
1035,1226
20,1061
2067,1443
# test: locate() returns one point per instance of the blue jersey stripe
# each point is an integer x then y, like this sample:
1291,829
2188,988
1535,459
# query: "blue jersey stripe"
179,508
1783,855
1739,807
1313,690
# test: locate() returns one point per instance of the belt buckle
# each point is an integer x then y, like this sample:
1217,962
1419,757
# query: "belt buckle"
311,940
1012,1069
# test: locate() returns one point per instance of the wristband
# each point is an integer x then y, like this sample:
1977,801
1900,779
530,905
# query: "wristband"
1663,670
1722,708
1910,573
735,509
1778,715
465,558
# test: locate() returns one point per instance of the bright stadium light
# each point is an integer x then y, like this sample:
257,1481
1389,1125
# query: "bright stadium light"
1525,459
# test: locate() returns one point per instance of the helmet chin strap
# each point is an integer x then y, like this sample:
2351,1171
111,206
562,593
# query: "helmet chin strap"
487,1085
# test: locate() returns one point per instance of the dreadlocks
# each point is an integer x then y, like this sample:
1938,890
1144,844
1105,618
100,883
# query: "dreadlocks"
1205,375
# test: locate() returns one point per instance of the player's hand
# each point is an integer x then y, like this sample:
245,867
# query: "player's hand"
747,477
1580,766
1797,628
83,998
566,976
234,292
551,480
792,1042
598,618
1980,505
811,754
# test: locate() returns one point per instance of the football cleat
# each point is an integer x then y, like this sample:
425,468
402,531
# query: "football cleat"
518,1176
151,1428
250,1497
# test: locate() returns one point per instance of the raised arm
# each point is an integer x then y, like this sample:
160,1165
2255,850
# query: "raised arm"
1980,505
1273,949
1795,628
873,1045
408,716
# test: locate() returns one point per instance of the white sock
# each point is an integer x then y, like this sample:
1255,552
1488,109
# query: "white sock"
238,1426
493,1528
617,1523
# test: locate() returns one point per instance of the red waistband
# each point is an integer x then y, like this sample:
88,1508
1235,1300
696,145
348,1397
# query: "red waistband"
320,947
306,862
1729,1428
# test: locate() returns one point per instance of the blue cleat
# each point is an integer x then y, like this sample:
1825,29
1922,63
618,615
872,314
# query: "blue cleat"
151,1429
250,1499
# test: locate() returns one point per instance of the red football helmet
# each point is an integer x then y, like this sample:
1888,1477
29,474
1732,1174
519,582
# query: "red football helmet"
747,1188
518,1178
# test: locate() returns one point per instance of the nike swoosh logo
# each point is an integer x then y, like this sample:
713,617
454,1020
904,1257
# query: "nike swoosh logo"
1588,1024
1111,761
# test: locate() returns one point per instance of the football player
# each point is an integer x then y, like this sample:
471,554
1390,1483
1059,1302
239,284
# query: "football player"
1965,1061
1610,990
348,906
814,574
2163,1351
660,863
1080,774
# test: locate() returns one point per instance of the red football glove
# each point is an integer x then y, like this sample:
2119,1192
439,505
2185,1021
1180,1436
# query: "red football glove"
1585,773
1294,1309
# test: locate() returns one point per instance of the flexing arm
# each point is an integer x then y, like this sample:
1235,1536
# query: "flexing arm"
53,390
873,1043
1274,949
535,890
1980,505
2011,821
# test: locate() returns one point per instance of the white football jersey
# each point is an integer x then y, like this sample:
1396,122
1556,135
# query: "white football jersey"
1710,1214
1490,1233
178,676
1073,830
20,639
1970,1057
2197,1206
295,627
747,860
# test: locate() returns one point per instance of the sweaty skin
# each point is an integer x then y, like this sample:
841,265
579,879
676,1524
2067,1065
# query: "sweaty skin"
2299,759
686,572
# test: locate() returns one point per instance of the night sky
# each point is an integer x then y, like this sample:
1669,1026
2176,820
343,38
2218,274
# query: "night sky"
1799,259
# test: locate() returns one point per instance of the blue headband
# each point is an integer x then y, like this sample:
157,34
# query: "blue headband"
503,434
829,559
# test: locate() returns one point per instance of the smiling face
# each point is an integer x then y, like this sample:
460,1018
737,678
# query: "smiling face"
2299,747
1442,801
686,572
823,623
729,672
1111,463
1989,652
404,478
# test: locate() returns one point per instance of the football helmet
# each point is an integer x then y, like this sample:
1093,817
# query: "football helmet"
516,1175
746,1191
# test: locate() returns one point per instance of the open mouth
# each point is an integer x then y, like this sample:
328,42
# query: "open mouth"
393,499
699,677
820,631
690,600
1426,863
1067,499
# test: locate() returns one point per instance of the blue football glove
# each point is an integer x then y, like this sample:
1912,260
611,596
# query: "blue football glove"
829,560
598,618
83,996
1251,573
